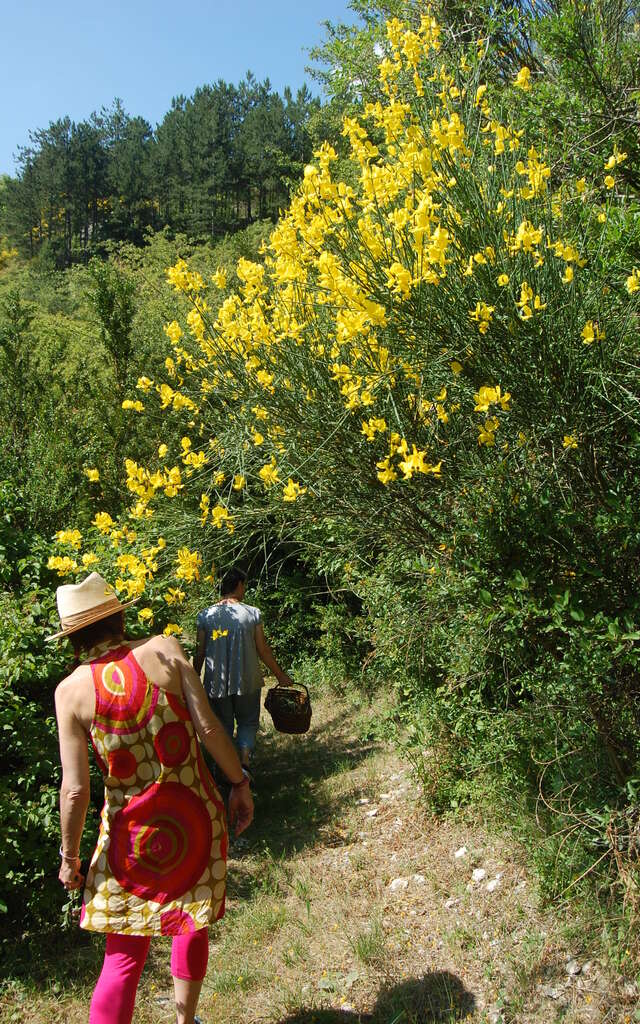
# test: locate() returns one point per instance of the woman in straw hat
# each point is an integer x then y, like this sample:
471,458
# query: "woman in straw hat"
159,865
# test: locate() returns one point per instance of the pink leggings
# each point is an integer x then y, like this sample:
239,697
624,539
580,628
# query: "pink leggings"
115,994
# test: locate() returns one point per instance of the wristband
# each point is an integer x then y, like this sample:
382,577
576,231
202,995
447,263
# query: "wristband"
65,857
243,782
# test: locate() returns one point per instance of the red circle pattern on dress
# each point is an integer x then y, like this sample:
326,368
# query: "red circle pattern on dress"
176,922
178,706
122,764
124,702
161,842
172,744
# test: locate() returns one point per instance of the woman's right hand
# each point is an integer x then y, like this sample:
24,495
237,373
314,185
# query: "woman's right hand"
70,874
240,808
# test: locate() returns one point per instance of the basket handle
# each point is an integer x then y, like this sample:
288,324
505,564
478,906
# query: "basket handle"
287,686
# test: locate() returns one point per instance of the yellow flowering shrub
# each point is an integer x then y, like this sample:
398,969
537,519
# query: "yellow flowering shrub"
418,309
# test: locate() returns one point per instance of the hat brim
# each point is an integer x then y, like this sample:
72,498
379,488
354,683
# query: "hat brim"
89,621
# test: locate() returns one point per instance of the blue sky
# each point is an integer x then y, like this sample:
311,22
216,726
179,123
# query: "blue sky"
71,58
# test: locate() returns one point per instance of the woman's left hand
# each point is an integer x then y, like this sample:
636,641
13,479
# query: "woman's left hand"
70,874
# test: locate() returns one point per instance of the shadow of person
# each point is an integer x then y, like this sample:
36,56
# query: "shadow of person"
436,998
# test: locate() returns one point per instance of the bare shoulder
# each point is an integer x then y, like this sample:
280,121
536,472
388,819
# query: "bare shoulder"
71,685
160,645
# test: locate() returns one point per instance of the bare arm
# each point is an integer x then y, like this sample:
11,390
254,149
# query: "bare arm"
201,647
213,735
266,655
74,791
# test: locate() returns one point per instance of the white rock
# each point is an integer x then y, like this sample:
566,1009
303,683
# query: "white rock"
462,852
398,883
586,967
572,967
363,800
372,813
478,874
451,902
419,879
495,1017
494,883
386,796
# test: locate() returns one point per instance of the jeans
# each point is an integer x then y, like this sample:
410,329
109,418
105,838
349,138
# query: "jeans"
243,711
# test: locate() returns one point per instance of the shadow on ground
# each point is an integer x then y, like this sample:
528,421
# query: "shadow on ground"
292,803
436,998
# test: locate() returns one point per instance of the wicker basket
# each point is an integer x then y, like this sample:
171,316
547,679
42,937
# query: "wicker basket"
289,707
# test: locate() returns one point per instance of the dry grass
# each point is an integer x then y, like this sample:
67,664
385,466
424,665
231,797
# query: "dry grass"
315,934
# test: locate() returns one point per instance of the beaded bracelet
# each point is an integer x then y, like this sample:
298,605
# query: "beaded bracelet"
65,857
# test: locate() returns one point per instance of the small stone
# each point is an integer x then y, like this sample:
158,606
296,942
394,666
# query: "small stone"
363,800
372,813
419,879
386,796
494,883
478,874
398,883
495,1017
452,902
572,967
586,967
550,992
462,852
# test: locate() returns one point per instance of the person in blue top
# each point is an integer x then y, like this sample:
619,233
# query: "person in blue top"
231,644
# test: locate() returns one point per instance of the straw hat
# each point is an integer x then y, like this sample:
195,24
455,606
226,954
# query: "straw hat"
80,604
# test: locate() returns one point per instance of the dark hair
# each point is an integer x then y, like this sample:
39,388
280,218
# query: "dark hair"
89,636
231,579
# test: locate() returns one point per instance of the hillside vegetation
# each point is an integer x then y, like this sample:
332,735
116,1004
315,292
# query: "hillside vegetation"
409,408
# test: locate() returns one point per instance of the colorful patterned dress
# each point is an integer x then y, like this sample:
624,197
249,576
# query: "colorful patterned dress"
159,867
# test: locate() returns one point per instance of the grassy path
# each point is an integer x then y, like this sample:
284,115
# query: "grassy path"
347,903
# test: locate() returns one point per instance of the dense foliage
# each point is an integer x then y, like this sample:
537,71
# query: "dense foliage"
413,405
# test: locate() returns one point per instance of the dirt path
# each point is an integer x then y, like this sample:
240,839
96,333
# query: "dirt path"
348,903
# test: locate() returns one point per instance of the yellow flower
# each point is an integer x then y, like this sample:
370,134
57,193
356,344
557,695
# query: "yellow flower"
135,406
103,522
216,634
71,537
269,473
609,181
92,475
503,280
144,384
386,472
591,332
239,481
62,564
523,79
456,367
633,281
171,628
145,614
292,490
174,596
602,217
189,563
162,451
581,185
567,277
258,438
89,559
220,278
569,441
